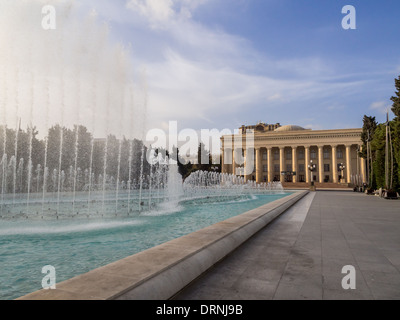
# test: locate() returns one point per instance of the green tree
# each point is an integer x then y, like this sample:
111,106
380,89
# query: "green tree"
203,157
378,150
395,135
396,98
395,128
369,127
185,169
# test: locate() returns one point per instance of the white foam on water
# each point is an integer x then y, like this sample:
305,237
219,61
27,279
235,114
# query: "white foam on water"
163,209
54,228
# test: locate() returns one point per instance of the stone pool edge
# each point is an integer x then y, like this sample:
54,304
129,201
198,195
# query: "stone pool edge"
161,272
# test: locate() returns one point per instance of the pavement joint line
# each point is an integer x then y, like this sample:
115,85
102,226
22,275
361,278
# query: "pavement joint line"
288,258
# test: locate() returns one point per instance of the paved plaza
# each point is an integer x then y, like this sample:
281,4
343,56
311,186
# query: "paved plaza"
301,254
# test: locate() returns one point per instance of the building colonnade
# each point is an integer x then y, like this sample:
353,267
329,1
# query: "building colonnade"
290,163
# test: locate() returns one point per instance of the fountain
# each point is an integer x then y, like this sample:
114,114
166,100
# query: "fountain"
58,176
73,82
59,82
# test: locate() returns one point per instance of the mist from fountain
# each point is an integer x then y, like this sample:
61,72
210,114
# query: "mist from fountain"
72,83
75,79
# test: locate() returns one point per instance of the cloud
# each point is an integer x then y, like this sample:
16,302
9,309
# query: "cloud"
335,107
161,14
313,127
275,97
170,26
197,93
156,11
183,88
203,76
380,106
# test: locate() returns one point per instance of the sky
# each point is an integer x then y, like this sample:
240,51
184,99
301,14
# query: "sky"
227,63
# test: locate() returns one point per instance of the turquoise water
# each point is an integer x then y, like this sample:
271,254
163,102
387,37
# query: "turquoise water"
76,247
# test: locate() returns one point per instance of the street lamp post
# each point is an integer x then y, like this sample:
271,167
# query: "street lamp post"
312,168
341,169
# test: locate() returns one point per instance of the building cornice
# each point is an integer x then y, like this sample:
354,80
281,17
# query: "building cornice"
301,134
314,137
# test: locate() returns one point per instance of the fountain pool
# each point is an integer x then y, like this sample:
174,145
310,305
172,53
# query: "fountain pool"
74,248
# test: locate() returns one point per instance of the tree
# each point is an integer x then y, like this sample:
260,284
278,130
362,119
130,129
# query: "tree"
369,127
395,137
367,135
378,150
203,157
395,128
396,99
374,139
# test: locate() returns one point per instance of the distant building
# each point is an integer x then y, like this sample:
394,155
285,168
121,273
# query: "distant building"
260,127
283,153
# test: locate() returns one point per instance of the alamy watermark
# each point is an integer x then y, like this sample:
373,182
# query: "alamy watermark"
349,281
235,149
49,20
349,21
49,281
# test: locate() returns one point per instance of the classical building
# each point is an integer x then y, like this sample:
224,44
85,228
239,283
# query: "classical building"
284,153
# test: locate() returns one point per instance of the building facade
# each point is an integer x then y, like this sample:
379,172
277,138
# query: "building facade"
284,153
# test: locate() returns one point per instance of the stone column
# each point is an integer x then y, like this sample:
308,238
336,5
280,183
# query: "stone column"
334,164
223,169
233,162
281,160
321,163
258,165
307,162
294,163
270,168
348,163
363,170
245,165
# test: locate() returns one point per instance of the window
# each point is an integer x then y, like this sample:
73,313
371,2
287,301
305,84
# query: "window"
288,167
326,154
301,167
276,155
301,178
276,168
289,155
265,168
301,154
339,153
327,168
265,156
313,154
